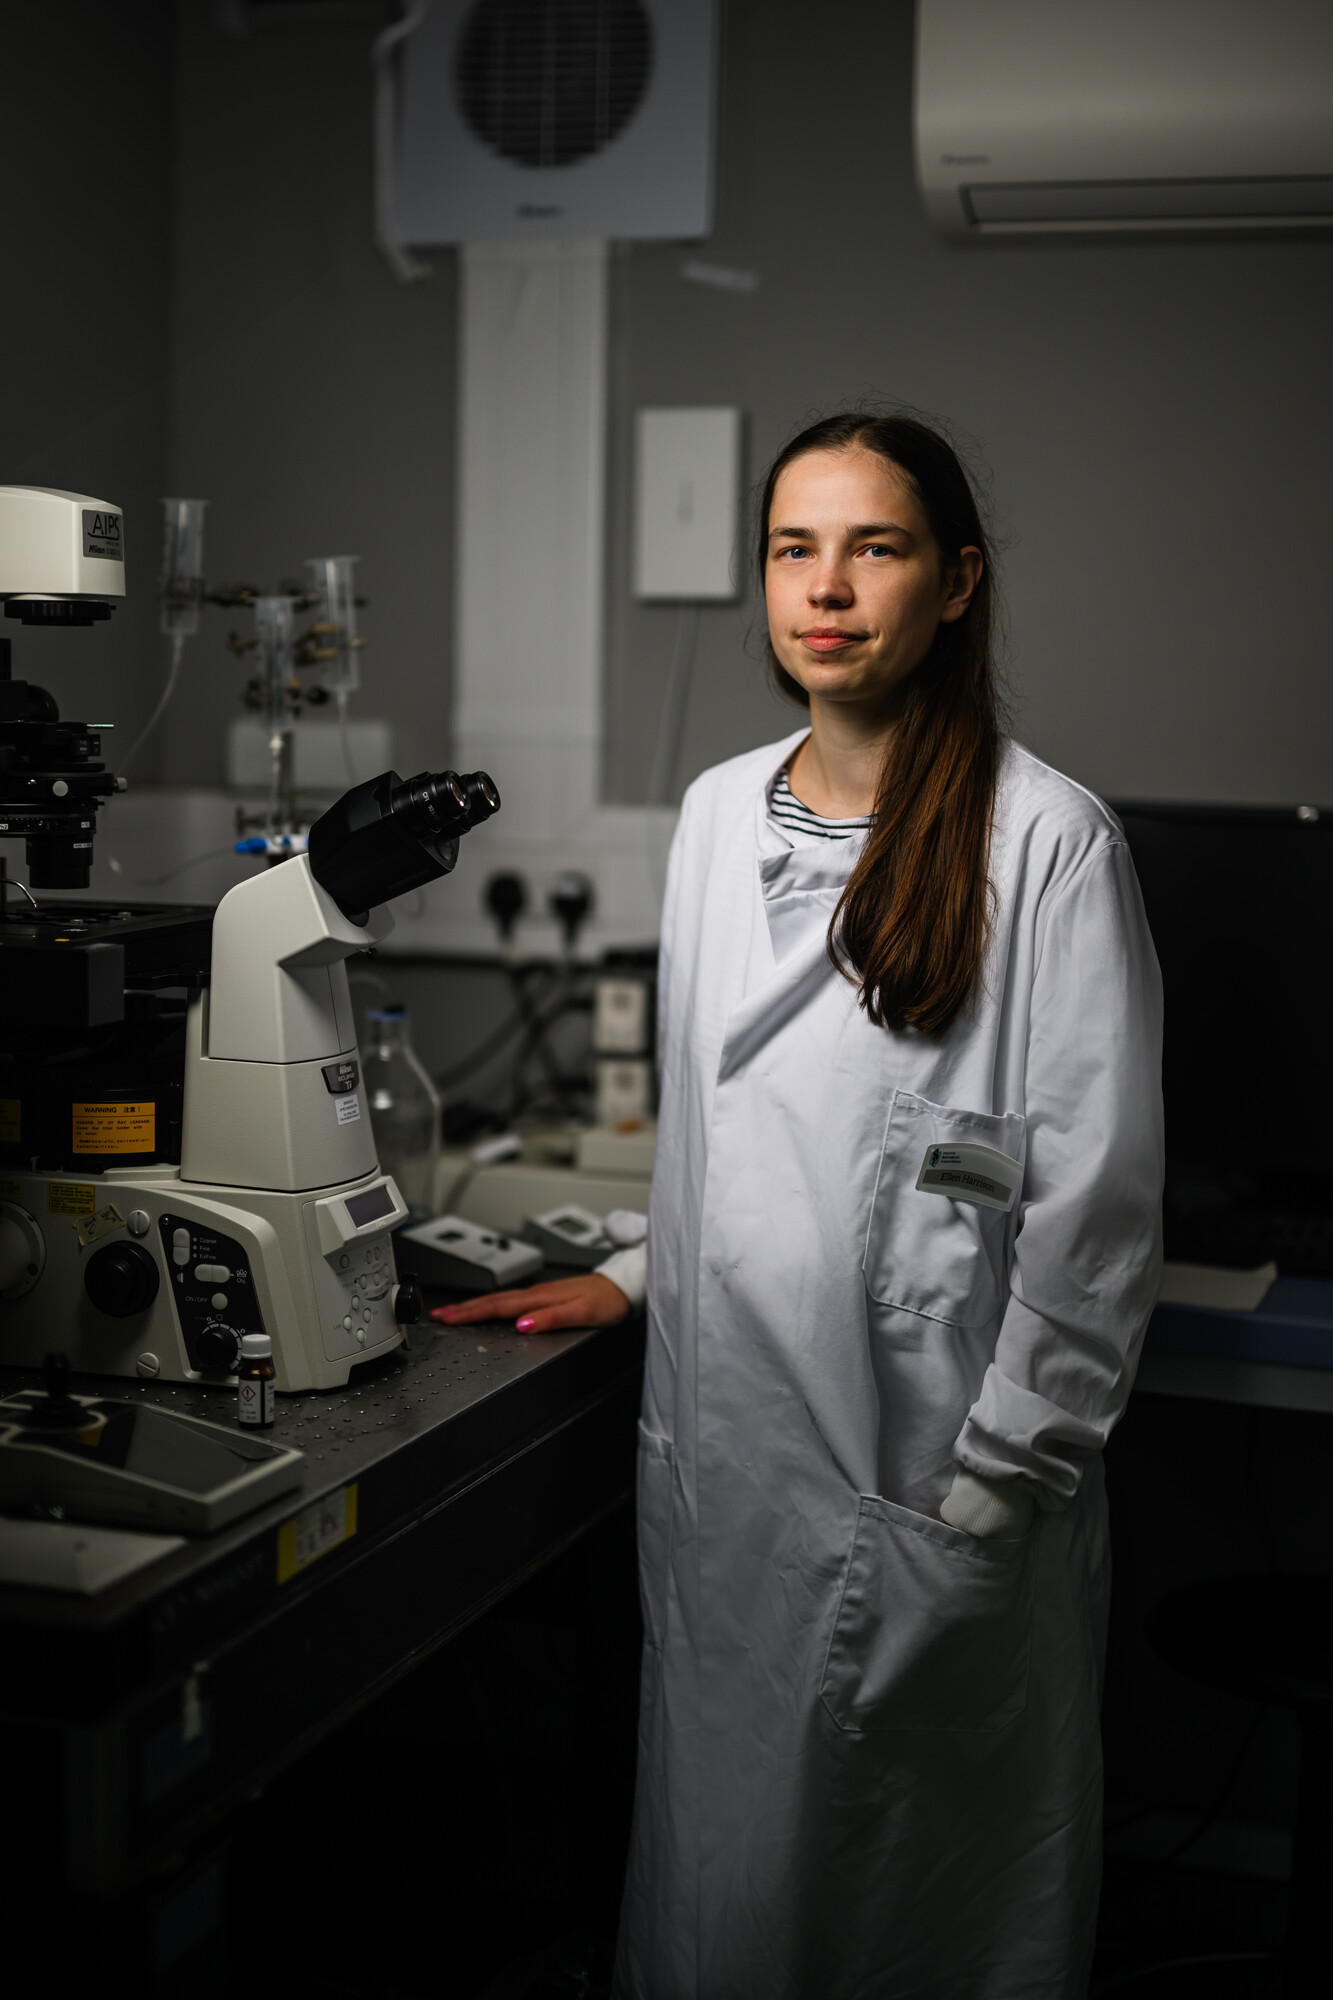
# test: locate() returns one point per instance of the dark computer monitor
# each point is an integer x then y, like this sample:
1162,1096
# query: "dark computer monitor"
1240,900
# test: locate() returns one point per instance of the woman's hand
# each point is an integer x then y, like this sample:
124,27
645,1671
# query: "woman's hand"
590,1300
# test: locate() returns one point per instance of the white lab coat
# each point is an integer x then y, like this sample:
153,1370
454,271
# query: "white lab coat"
869,1759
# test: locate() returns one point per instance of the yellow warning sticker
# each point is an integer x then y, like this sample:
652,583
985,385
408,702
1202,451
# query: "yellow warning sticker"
70,1198
114,1128
326,1524
11,1119
10,1190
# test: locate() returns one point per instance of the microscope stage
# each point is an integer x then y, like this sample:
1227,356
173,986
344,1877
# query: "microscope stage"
71,961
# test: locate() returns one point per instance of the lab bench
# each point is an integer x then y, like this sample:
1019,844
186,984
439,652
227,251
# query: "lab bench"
137,1719
1279,1356
1217,1470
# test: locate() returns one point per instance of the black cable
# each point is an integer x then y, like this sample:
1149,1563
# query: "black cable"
1209,1812
537,1032
485,1052
527,1018
1120,1980
487,1048
1219,1799
564,1089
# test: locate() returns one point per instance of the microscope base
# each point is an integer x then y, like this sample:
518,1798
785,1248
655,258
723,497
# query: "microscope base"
135,1272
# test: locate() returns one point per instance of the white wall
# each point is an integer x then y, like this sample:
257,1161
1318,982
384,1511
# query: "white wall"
1155,417
312,396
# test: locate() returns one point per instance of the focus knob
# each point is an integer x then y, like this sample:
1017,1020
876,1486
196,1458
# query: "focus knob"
217,1348
121,1280
408,1302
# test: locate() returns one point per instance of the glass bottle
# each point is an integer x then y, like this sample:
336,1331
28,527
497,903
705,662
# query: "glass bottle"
404,1105
255,1381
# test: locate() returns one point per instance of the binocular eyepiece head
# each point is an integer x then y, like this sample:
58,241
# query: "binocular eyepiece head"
444,805
388,836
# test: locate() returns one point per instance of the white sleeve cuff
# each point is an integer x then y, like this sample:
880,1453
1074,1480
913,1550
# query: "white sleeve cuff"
629,1270
988,1508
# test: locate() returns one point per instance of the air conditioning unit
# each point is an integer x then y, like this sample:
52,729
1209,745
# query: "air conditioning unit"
566,118
1068,116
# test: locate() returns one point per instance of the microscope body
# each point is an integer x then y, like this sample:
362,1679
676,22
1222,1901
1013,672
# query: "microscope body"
276,1219
175,1173
277,1122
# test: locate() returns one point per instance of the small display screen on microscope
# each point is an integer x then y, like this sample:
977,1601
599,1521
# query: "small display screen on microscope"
371,1206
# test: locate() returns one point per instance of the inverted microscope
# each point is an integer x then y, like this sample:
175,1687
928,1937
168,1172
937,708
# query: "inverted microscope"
186,1154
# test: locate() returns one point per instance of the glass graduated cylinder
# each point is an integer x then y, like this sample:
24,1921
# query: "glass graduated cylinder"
181,584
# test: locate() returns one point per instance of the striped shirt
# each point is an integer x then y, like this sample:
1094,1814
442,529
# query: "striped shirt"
789,813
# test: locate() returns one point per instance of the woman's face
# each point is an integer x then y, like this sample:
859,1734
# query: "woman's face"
854,580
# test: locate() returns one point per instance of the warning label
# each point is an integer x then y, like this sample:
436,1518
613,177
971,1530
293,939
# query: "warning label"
114,1128
70,1198
324,1525
11,1117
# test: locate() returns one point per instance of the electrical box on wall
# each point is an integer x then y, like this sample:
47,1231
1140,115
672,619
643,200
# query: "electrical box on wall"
687,482
531,118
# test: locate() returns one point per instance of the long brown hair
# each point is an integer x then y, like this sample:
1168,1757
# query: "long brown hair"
914,920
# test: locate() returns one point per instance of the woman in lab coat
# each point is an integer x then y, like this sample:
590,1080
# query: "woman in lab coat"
903,1242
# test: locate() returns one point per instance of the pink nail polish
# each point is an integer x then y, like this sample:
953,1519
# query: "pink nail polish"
526,1324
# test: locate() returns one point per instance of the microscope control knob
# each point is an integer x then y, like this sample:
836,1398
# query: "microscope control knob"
408,1302
217,1349
121,1280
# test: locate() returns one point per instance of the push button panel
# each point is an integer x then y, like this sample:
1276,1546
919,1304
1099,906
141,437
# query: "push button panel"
214,1291
367,1275
355,1285
366,1272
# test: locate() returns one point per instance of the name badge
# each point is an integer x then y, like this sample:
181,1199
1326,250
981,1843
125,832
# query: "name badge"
968,1171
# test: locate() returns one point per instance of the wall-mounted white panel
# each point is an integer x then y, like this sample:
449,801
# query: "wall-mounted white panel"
523,120
687,482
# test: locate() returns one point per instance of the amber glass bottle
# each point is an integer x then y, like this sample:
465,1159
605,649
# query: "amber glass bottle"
255,1382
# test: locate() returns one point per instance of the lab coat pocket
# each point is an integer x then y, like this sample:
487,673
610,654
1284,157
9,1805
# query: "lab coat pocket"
931,1253
657,1465
933,1627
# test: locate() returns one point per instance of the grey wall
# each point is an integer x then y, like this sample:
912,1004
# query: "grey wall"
85,256
312,397
1153,415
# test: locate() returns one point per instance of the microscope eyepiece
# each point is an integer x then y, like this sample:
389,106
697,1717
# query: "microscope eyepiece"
431,806
391,835
482,797
444,805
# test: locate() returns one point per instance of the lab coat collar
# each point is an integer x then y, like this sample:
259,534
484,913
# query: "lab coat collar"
801,884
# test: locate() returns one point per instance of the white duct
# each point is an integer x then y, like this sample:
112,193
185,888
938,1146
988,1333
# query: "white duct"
529,589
